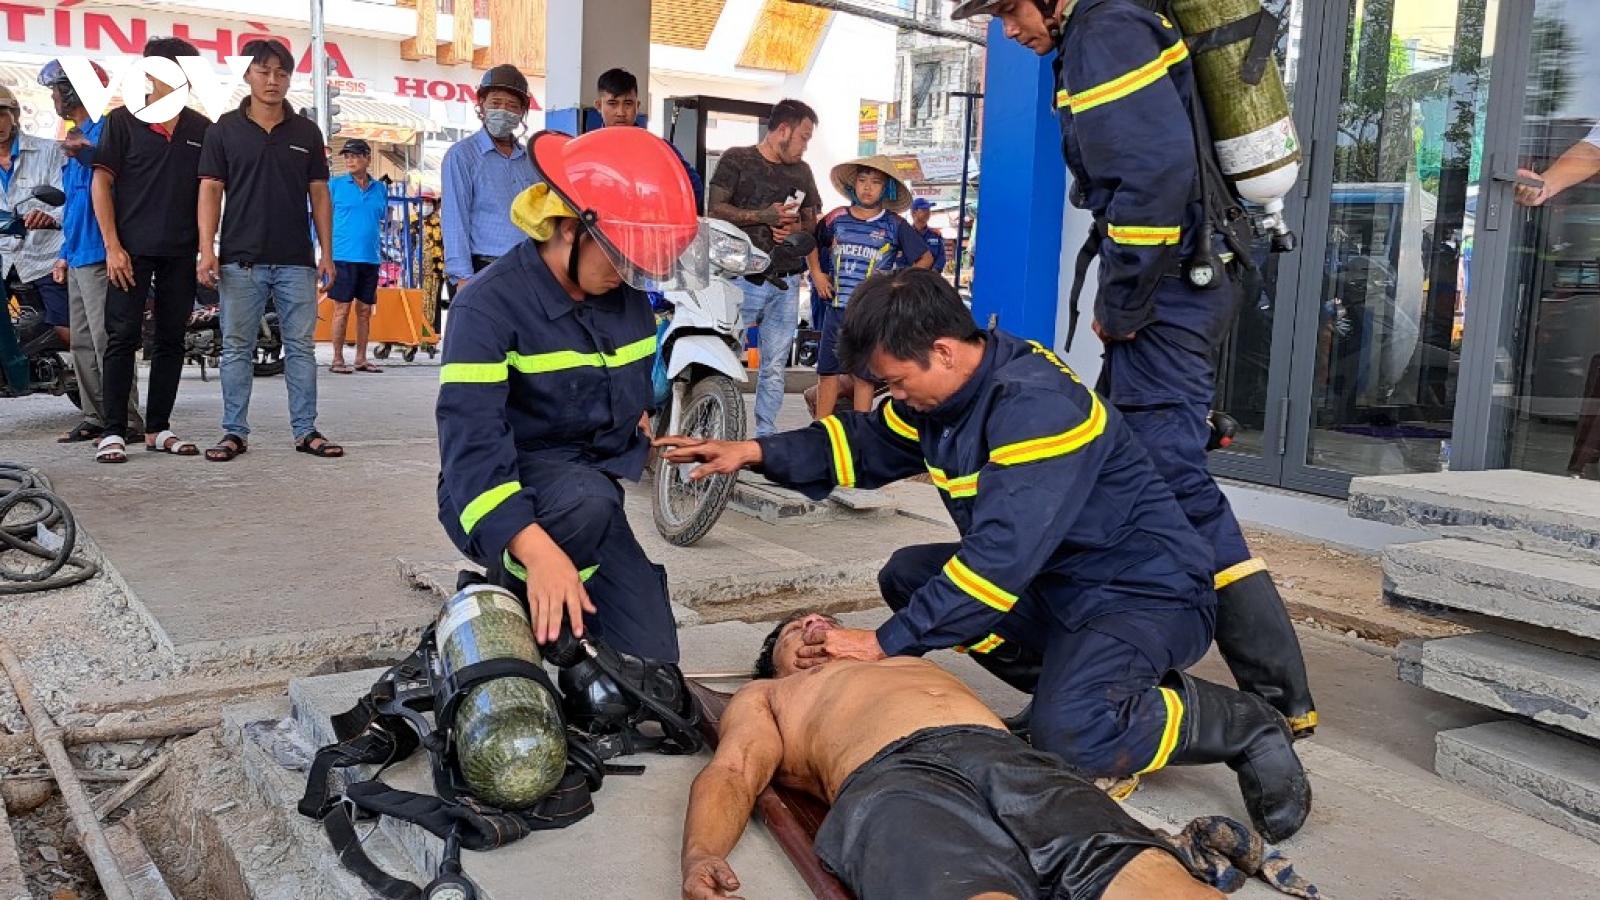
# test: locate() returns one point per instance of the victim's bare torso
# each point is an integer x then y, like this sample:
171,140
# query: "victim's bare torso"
835,717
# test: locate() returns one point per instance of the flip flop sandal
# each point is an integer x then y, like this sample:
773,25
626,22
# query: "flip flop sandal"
226,449
368,367
83,431
167,442
326,450
111,449
340,369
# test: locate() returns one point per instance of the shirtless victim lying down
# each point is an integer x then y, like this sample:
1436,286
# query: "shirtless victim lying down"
931,798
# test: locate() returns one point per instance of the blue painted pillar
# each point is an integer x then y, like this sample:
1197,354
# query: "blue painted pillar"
1021,192
583,39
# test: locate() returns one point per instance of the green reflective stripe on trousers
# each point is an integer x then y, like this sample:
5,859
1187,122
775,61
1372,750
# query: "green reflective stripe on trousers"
473,373
538,363
485,503
521,574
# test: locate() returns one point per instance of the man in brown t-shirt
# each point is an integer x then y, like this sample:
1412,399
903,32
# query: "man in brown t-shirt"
770,193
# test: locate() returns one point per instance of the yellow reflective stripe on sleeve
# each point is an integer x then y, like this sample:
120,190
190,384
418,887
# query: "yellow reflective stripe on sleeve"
1171,733
960,486
473,373
979,588
1235,573
1142,236
1131,83
1055,444
485,503
521,574
559,360
988,644
844,468
897,424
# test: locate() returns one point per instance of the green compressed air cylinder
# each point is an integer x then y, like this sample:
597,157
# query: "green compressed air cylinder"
508,733
1251,127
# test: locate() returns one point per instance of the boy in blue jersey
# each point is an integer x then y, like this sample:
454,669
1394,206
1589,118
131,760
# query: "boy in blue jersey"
855,241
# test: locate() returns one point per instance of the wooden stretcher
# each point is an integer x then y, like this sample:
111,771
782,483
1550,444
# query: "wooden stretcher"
792,816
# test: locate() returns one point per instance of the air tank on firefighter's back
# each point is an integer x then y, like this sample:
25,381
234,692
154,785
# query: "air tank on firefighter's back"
508,734
1252,130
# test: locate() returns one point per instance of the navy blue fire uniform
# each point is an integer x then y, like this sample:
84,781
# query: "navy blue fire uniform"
1125,87
539,406
1070,545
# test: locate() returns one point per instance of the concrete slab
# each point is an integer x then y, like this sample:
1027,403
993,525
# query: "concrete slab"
1321,519
1547,686
640,817
1522,586
1504,506
1548,777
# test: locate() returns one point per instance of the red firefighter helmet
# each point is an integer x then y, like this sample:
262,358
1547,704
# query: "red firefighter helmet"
631,193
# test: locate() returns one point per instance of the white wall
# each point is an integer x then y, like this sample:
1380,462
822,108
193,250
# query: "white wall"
855,61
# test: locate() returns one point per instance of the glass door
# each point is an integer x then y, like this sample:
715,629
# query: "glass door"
1251,376
1383,289
1548,362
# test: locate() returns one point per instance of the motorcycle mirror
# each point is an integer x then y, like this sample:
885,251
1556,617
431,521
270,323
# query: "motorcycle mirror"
800,242
49,196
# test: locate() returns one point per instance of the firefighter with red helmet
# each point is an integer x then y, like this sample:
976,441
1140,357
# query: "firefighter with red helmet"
544,390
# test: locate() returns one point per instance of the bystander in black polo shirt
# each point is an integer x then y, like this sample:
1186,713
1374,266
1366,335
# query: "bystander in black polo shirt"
157,181
268,176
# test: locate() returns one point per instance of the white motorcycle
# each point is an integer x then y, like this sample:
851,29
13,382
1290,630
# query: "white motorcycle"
703,354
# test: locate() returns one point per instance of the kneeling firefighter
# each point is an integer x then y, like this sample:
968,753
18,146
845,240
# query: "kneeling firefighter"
543,395
1136,139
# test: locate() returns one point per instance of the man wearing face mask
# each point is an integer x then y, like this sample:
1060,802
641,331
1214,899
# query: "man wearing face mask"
482,175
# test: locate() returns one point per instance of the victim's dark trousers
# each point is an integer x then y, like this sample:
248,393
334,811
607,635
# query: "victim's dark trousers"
174,281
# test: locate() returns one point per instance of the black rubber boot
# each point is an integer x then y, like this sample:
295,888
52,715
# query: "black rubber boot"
1014,664
1240,730
1019,667
1258,642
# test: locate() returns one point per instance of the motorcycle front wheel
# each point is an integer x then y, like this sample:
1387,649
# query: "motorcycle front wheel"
685,510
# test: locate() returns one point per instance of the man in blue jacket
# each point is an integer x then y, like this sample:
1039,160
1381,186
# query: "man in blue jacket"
1129,109
82,267
1072,547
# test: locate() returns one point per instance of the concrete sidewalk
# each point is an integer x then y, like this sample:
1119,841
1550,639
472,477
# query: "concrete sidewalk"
278,551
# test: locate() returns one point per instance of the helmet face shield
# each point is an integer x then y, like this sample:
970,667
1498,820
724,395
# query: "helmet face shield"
657,257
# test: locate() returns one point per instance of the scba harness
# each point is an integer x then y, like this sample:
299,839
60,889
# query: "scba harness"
391,722
1225,215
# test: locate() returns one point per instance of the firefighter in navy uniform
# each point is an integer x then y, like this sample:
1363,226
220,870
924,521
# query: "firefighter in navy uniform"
1071,547
543,389
1127,100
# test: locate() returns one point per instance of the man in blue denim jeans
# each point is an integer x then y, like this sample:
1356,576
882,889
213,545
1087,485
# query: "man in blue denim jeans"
767,191
253,154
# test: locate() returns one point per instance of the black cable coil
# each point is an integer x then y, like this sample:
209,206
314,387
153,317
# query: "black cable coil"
25,490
